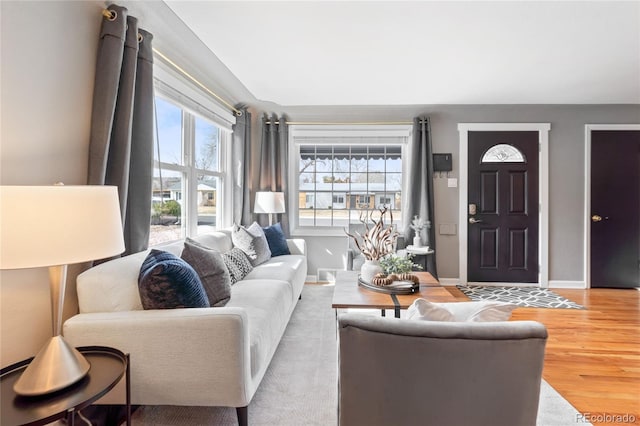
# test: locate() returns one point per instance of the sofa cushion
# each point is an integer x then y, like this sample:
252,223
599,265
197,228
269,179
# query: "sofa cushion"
276,240
213,273
252,242
237,264
277,268
268,304
167,282
422,309
218,240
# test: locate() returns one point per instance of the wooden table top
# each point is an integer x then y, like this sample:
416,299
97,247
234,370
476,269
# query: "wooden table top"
348,294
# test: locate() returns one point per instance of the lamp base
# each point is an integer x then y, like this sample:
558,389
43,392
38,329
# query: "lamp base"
55,367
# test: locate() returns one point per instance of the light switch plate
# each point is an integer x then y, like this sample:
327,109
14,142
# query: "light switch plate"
448,229
452,182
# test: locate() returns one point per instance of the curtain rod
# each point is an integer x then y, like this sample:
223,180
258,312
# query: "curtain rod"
329,123
111,15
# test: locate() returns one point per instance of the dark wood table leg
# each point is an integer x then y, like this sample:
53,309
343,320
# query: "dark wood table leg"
127,377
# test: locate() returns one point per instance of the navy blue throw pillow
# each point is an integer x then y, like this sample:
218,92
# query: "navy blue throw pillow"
168,282
276,240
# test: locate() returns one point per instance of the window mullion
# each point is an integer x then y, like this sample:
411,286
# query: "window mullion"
224,193
191,185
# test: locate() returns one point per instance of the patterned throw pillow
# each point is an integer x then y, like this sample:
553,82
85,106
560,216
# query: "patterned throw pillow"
168,282
276,240
213,273
252,242
237,263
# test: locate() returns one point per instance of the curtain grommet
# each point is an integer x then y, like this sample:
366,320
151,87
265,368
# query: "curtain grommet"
111,15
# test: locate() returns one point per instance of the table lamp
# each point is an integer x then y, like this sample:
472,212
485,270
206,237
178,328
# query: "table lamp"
269,202
55,226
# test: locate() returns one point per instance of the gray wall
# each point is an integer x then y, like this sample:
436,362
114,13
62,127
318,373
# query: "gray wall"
48,61
566,164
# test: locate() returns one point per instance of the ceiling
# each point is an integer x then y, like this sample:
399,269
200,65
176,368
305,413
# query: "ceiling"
423,52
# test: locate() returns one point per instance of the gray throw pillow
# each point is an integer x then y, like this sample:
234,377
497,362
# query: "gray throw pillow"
252,242
237,263
213,273
168,282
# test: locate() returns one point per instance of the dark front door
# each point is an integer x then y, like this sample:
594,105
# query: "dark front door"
615,208
503,206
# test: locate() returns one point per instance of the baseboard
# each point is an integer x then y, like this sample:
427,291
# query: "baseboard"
311,279
567,284
451,282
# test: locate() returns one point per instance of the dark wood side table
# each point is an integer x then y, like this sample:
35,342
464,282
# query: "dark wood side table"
108,366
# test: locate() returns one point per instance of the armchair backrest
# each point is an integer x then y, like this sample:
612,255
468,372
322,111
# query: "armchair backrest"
353,228
404,372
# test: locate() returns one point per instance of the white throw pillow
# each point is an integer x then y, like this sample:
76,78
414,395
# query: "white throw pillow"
422,309
252,242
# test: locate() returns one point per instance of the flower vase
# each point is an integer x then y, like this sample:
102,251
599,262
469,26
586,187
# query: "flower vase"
369,270
417,242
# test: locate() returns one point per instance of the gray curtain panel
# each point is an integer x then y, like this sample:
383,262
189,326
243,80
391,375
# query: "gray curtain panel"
241,160
418,195
138,216
274,163
121,139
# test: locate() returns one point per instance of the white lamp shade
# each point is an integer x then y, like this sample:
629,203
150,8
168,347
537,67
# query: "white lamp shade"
58,225
269,202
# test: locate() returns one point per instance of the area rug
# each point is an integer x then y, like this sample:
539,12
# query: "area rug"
529,297
300,386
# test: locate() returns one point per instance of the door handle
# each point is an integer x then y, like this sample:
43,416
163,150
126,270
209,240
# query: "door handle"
473,220
598,218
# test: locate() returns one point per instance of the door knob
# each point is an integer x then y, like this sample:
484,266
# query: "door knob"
596,218
473,220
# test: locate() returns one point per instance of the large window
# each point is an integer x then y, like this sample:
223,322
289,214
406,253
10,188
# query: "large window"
190,168
342,173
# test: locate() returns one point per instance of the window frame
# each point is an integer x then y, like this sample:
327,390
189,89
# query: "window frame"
339,132
196,104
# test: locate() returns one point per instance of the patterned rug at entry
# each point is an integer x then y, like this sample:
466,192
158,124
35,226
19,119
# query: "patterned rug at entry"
529,297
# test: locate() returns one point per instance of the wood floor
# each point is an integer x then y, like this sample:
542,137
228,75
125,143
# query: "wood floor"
593,356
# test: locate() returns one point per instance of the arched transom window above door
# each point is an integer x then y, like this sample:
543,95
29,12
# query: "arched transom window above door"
503,153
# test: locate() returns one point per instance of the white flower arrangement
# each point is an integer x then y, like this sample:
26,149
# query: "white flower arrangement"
417,224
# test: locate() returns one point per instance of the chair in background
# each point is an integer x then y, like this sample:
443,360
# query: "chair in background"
355,258
409,372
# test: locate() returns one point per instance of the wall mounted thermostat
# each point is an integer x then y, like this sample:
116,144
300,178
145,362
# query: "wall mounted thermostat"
442,162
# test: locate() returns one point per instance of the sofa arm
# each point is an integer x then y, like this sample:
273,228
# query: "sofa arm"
202,355
297,246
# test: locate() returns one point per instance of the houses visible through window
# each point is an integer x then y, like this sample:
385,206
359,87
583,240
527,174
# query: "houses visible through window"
344,175
187,174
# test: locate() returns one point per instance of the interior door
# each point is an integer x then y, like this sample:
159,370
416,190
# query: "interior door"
503,206
615,208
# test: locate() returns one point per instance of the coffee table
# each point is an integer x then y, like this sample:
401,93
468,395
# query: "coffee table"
348,294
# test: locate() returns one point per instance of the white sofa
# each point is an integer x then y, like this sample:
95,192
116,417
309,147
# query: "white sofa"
198,356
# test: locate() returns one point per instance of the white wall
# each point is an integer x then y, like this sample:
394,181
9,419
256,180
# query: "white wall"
47,69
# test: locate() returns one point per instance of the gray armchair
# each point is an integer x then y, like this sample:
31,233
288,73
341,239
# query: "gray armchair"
402,372
355,259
